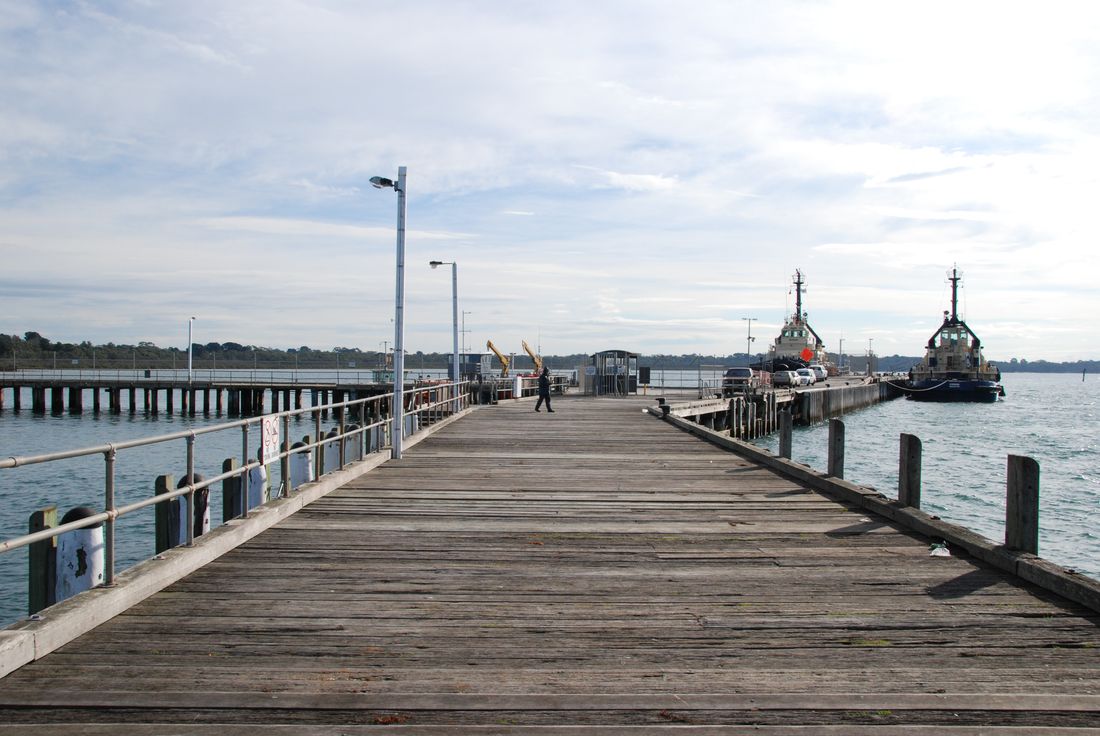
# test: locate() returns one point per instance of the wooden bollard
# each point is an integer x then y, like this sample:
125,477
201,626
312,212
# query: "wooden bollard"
232,498
1022,505
162,537
171,519
786,425
836,448
41,559
909,462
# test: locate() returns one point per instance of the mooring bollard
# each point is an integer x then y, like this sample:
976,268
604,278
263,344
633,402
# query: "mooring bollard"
258,490
353,444
1022,505
909,462
301,465
330,451
80,556
836,448
785,430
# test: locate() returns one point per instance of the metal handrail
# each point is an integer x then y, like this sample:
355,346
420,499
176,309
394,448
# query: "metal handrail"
458,398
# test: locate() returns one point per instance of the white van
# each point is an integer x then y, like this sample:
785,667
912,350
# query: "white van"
819,371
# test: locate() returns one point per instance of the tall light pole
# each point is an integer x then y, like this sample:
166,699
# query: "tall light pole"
840,360
380,182
748,342
454,310
190,322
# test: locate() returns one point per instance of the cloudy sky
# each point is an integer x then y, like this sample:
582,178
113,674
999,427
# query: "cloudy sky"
608,174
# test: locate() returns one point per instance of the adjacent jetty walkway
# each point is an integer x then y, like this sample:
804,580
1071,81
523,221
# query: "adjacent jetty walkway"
592,570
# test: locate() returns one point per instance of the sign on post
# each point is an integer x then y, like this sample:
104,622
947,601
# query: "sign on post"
269,438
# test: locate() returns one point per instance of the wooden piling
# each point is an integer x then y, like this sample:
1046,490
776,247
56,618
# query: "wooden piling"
836,448
57,400
909,468
1022,505
42,561
170,401
232,497
164,537
786,424
16,398
132,390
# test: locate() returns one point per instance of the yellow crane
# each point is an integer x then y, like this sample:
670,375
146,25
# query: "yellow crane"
504,362
536,358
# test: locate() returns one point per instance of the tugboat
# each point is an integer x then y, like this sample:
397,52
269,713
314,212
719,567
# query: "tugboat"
797,345
953,368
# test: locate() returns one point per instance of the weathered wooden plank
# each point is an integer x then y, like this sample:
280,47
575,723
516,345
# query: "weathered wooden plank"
515,565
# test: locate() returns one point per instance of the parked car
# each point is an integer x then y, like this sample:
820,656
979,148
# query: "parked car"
737,380
807,376
785,378
819,371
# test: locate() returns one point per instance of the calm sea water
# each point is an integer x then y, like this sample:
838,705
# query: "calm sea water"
1053,418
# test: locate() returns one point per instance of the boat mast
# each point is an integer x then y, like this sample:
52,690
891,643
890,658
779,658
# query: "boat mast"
798,295
954,294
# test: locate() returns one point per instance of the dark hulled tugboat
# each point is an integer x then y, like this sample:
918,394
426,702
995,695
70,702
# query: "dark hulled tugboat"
953,368
797,345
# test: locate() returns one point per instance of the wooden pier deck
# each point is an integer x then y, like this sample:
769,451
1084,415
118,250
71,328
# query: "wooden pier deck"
591,571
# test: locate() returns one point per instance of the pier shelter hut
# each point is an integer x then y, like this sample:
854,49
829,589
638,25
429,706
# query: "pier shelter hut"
612,373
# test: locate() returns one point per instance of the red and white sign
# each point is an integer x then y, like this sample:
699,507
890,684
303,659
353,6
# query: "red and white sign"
269,438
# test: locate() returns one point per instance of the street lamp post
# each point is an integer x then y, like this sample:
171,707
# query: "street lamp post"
454,310
189,323
398,310
840,359
748,342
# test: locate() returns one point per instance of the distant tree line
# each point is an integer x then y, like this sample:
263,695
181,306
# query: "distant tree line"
33,350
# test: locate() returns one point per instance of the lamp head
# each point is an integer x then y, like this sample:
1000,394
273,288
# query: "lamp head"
380,181
435,264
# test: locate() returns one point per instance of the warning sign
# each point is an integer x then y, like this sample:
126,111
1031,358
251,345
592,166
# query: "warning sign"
269,438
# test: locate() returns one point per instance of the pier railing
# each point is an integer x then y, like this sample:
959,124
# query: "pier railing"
423,405
239,376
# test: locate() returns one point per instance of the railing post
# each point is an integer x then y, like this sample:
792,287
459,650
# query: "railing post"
109,525
190,523
286,455
909,467
243,487
785,431
1022,505
836,448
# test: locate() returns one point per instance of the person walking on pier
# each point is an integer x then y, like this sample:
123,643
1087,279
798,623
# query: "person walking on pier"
544,391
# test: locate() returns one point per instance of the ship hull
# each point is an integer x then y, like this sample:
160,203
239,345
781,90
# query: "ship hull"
957,389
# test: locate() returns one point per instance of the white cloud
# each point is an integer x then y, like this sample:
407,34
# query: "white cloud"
651,187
